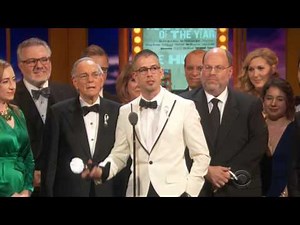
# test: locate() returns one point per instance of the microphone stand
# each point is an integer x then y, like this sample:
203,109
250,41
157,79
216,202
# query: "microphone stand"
134,162
133,118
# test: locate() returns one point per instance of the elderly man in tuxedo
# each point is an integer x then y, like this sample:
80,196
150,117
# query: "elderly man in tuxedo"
234,128
81,128
166,124
35,94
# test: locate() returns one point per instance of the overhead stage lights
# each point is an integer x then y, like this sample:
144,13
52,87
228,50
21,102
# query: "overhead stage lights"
222,40
137,40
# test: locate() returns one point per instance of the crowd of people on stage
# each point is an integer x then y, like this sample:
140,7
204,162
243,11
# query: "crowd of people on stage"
209,140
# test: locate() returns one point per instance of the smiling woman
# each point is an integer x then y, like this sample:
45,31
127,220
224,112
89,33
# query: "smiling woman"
16,159
278,101
258,67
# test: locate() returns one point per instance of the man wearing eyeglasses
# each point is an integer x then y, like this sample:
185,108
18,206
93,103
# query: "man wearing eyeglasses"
35,93
99,55
165,125
234,128
84,128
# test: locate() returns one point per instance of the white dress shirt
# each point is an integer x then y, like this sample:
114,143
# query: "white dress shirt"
91,121
42,102
149,120
221,104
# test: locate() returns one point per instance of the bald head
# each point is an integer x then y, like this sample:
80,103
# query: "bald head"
193,64
217,71
219,52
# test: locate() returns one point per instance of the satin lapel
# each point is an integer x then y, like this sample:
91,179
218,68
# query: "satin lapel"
76,123
230,114
103,112
51,101
165,109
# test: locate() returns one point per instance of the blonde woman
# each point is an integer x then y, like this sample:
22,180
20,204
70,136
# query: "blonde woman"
258,67
16,160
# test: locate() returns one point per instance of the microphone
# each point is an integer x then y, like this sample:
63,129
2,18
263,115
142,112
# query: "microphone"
77,166
133,118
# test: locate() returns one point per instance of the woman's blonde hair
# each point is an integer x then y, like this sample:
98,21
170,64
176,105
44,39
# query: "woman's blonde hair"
267,54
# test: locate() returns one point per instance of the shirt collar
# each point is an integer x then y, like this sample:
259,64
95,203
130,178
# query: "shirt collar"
29,86
222,97
158,97
84,103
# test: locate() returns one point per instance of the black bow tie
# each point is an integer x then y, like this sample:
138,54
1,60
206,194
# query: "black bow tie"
93,108
45,92
146,105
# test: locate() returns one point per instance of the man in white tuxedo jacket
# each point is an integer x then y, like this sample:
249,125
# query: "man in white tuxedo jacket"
166,125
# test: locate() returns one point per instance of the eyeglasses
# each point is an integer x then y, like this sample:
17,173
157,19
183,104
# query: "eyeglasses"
218,68
85,76
32,62
104,69
144,70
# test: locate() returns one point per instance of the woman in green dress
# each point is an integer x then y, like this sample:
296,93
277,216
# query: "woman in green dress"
16,160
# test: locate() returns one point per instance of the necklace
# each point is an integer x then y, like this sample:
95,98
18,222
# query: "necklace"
6,114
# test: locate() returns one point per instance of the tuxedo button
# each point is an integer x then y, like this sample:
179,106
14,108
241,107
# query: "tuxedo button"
150,162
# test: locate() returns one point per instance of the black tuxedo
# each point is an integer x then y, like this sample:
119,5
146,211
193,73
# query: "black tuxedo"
35,125
66,138
241,142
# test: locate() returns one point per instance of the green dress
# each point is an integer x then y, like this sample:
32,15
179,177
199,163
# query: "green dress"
16,159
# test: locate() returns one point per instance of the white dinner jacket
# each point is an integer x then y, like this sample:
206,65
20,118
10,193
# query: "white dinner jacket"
164,164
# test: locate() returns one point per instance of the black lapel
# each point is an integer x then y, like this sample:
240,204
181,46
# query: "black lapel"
202,107
76,122
101,129
230,114
108,115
